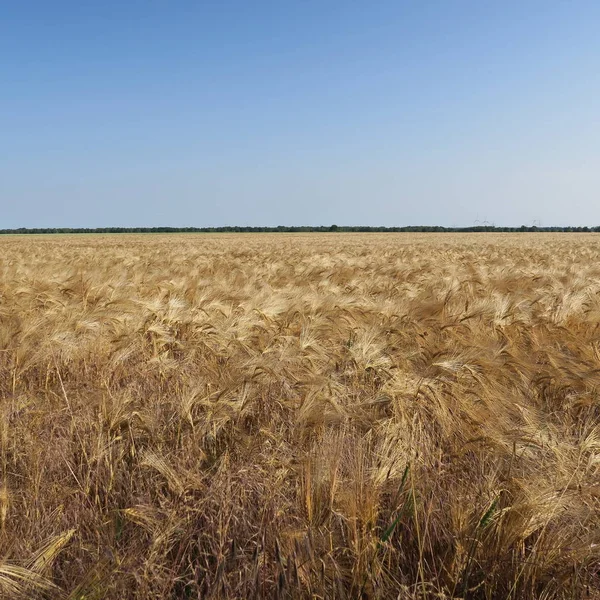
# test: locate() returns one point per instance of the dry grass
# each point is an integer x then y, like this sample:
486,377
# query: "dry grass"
288,416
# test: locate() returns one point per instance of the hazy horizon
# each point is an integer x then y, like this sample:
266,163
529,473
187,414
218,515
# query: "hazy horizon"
147,114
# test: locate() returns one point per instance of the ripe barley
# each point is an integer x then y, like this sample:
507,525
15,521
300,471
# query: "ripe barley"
217,416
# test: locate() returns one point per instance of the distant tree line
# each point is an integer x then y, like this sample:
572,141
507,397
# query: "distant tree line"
300,229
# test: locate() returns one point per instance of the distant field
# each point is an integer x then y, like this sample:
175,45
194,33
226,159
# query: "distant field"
300,416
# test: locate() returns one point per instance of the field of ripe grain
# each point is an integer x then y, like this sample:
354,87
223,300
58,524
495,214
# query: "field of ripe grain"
300,416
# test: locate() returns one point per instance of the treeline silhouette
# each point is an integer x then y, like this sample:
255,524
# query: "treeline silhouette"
300,229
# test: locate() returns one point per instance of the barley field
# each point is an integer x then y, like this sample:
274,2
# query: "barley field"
300,416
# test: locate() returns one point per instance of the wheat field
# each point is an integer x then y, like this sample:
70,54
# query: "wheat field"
300,416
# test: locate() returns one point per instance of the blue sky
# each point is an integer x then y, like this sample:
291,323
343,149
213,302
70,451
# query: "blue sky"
147,113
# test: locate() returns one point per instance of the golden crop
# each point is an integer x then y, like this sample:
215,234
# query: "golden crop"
300,416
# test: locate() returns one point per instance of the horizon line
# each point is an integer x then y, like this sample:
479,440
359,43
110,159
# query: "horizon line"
307,229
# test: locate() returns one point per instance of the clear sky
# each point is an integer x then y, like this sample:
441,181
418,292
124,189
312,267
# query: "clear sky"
307,112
